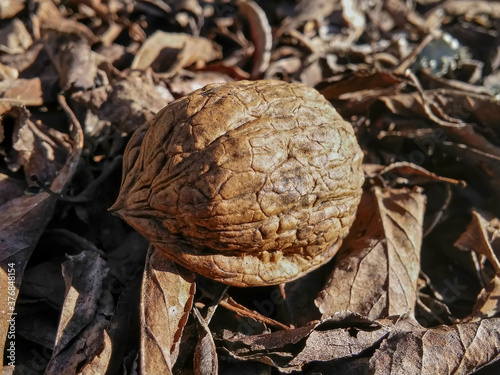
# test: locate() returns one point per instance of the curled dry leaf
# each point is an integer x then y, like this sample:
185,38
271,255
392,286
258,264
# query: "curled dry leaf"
167,298
487,305
187,51
261,36
36,148
49,18
376,272
72,57
354,17
478,238
481,236
248,183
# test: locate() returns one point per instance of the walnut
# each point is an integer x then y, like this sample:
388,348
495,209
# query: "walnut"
248,183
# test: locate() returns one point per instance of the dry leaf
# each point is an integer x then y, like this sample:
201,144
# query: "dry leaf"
72,57
84,275
488,163
470,9
22,91
10,8
477,238
15,38
458,349
205,356
488,302
49,18
183,85
261,36
343,335
376,272
126,103
100,363
423,111
307,10
167,297
479,111
23,220
343,84
185,49
84,315
354,17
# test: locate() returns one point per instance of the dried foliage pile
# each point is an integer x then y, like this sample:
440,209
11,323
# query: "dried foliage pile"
414,288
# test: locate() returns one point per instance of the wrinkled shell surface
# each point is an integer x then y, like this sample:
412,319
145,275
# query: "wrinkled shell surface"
247,183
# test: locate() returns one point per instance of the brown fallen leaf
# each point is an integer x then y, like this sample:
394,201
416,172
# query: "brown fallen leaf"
353,15
205,355
377,269
10,8
350,83
48,17
184,50
307,10
488,302
261,36
38,149
459,349
83,317
471,9
422,104
22,91
477,238
488,163
73,58
434,82
343,335
99,364
23,220
480,111
125,265
352,93
167,297
8,72
23,61
182,85
126,103
14,38
480,237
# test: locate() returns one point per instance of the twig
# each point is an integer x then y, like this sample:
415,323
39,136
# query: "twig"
232,305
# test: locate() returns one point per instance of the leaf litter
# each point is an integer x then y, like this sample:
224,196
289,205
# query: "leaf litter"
413,290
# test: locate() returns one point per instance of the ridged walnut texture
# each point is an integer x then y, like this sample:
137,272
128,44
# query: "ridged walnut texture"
248,183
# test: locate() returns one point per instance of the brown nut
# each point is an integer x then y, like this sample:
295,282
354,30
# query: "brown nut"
248,183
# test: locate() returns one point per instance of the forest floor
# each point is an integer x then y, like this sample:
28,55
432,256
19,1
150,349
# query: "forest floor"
415,288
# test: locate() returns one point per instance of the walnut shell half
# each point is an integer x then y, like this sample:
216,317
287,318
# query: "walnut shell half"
248,183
